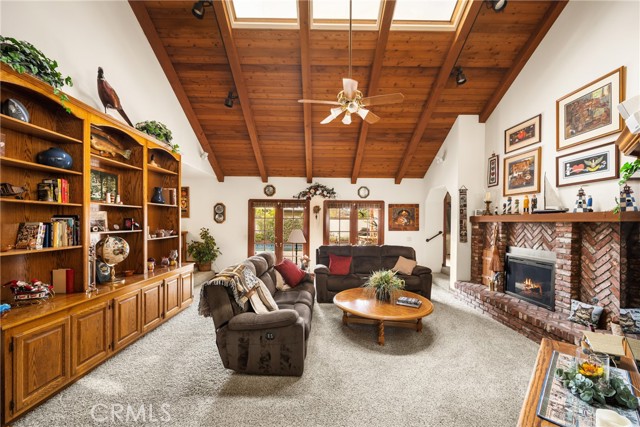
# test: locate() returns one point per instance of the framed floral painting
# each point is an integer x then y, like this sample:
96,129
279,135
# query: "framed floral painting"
590,112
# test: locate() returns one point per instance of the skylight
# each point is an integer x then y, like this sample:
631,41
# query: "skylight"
337,12
265,9
413,14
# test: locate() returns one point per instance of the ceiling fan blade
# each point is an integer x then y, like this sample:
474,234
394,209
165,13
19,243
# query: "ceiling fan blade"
313,101
335,112
392,98
369,117
350,87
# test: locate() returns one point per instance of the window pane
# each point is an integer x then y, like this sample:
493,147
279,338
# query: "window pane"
265,9
339,10
421,10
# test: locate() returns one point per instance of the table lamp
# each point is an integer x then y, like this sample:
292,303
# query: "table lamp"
296,236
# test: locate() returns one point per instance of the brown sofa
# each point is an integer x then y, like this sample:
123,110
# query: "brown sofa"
366,259
274,343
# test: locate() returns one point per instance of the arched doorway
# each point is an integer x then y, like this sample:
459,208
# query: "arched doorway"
446,231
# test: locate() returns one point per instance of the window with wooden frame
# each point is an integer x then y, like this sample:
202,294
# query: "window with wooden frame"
271,223
353,222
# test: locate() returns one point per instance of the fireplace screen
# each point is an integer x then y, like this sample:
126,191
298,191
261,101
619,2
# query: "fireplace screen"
531,280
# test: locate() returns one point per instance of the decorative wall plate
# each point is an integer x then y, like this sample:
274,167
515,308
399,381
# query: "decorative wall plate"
363,192
219,213
269,190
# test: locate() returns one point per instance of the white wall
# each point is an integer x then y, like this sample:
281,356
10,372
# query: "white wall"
234,192
82,35
589,39
461,150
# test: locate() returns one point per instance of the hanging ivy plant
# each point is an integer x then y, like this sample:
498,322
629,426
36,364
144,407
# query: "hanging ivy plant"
159,131
628,170
24,57
316,189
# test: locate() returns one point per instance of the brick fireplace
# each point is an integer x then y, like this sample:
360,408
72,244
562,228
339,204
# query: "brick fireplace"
596,255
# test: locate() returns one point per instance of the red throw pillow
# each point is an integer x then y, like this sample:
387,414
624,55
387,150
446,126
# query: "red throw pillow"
339,265
290,272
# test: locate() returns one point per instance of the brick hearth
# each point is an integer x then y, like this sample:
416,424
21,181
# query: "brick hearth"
593,259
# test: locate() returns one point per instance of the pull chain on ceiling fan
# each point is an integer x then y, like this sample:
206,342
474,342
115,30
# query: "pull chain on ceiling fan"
350,100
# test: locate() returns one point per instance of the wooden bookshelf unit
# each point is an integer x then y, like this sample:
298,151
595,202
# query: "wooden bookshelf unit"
70,334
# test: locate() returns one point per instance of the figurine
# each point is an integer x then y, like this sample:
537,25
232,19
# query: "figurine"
504,209
495,212
173,256
627,201
164,261
517,207
590,202
581,202
525,208
534,203
509,205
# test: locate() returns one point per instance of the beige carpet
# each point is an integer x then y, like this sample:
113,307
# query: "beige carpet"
462,370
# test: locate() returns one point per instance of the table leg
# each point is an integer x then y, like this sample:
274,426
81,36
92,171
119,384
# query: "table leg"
419,325
381,332
345,320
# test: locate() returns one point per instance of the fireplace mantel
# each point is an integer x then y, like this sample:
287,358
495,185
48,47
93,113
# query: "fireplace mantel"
561,217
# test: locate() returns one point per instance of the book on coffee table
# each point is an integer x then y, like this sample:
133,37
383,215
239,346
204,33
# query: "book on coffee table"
605,343
409,302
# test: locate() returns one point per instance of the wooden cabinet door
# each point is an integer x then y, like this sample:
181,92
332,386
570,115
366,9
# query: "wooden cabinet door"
91,336
172,293
127,319
41,362
152,305
187,289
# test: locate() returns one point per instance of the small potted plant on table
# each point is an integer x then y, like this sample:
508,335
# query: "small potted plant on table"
204,252
384,284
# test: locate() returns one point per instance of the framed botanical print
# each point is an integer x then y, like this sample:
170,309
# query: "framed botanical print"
522,173
523,134
404,217
590,112
590,165
493,170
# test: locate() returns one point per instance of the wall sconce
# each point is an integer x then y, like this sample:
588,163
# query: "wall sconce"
316,210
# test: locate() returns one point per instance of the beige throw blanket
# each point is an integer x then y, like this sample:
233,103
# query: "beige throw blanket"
244,286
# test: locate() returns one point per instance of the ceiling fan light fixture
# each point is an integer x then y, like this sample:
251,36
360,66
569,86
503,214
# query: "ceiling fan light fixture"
198,8
460,77
352,107
362,112
347,118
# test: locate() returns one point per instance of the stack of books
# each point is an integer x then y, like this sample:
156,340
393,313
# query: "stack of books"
54,190
63,230
409,302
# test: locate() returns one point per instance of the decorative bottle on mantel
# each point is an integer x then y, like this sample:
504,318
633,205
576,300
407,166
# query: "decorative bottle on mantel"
157,195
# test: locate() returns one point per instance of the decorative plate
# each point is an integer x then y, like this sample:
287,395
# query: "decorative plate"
269,190
218,208
219,213
363,192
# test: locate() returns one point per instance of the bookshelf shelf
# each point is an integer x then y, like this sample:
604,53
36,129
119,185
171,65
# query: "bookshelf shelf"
7,161
160,170
163,205
115,205
39,202
163,238
100,161
117,232
15,252
31,129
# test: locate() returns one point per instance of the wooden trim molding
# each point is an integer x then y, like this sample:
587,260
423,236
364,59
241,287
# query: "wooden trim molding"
305,66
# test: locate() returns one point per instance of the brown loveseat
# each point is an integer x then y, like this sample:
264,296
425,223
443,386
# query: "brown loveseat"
274,343
366,259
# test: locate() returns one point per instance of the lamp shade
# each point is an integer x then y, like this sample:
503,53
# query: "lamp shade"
296,236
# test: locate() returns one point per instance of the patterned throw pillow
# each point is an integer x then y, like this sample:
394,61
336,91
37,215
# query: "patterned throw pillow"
630,320
585,314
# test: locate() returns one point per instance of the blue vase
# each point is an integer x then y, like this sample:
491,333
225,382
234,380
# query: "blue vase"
56,157
157,195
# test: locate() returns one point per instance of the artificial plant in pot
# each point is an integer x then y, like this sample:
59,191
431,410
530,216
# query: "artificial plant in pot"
384,284
204,252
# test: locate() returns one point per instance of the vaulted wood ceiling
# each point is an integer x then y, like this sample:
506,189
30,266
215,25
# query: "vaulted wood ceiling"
268,133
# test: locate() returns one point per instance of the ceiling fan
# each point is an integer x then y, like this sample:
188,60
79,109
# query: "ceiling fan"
350,100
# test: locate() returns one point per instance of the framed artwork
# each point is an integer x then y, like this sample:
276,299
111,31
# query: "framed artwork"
523,134
184,202
103,183
493,171
404,217
98,221
590,112
522,173
463,214
219,213
591,165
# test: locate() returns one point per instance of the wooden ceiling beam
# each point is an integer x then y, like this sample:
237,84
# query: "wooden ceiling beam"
464,28
376,70
305,65
142,15
555,8
226,33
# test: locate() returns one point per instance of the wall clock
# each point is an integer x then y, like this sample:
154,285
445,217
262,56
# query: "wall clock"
269,190
363,192
219,213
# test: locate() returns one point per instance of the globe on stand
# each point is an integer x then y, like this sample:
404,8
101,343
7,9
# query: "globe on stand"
113,250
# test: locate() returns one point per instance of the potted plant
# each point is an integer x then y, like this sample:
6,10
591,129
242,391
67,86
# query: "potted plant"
204,251
159,131
385,284
24,57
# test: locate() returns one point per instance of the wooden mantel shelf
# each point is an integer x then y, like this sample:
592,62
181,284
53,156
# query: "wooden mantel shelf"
561,217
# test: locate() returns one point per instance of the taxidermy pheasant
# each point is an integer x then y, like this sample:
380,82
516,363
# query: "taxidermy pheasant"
109,97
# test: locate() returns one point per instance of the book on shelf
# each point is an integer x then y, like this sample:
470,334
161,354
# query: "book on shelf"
409,302
30,235
54,190
62,280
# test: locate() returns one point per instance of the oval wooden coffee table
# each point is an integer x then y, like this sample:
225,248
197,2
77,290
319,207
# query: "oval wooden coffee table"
360,306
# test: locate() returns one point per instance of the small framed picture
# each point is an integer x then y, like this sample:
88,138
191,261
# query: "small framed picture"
184,202
404,217
591,165
590,112
98,222
103,183
523,134
522,173
493,171
219,213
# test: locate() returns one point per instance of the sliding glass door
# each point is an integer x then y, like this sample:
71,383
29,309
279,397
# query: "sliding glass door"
271,223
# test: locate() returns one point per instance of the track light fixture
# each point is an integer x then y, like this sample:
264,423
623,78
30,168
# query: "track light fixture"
460,77
228,101
198,8
496,5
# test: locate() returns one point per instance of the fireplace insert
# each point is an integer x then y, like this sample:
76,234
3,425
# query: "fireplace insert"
531,279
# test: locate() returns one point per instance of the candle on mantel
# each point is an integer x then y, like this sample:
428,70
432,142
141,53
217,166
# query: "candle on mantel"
487,197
